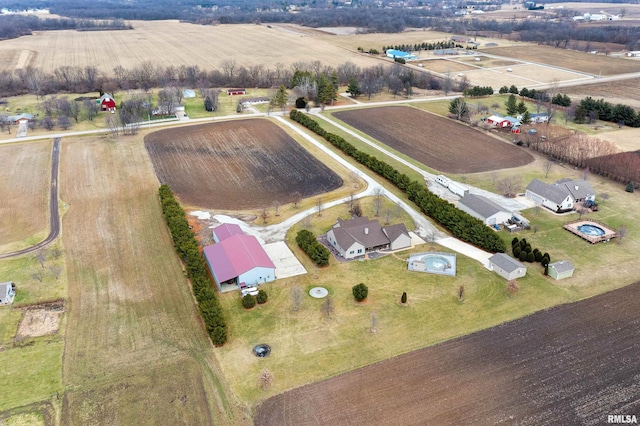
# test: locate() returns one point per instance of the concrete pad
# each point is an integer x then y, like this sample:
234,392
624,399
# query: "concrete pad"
466,249
287,265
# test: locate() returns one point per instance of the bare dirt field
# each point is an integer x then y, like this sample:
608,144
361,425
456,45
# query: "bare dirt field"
135,349
236,165
522,75
627,139
569,59
24,192
487,62
573,364
41,320
173,43
435,141
442,66
625,92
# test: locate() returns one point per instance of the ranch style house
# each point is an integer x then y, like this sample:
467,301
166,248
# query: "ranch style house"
506,266
358,236
237,260
561,196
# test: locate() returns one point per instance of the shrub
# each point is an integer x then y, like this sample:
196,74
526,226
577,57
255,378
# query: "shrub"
249,301
318,253
262,297
403,299
301,103
514,241
360,292
538,256
531,257
630,187
522,256
516,251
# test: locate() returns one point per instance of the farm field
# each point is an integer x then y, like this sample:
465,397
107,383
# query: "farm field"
24,192
569,59
443,66
237,165
625,92
626,139
572,364
522,75
435,141
173,43
135,350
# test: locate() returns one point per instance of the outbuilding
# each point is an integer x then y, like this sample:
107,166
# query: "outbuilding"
484,209
235,92
560,270
107,103
506,266
7,292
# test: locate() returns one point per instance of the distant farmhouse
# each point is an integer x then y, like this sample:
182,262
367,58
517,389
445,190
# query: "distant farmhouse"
107,103
561,196
235,92
358,236
393,53
506,266
237,260
502,122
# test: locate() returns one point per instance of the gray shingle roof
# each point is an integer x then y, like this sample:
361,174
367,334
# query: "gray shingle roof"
578,189
481,205
394,231
505,262
550,192
364,231
562,266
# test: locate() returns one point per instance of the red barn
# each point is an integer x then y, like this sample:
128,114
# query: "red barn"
107,103
232,92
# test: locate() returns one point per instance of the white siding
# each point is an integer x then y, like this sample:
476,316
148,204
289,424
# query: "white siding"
257,276
403,241
355,250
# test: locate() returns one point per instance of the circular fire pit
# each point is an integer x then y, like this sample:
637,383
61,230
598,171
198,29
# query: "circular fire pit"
262,350
318,292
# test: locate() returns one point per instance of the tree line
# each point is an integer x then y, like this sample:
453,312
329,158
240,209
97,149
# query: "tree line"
187,248
12,26
461,225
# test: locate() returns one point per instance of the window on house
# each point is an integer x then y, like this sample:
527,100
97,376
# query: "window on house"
351,252
359,250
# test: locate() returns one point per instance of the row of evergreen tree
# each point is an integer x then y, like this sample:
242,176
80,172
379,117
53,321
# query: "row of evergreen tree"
461,224
447,44
606,111
187,248
522,250
307,241
478,91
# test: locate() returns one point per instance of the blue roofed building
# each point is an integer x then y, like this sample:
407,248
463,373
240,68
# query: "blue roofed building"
393,53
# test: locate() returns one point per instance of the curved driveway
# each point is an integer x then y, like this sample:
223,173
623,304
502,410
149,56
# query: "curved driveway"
54,213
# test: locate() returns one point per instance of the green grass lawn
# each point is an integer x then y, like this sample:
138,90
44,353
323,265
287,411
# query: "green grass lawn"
31,372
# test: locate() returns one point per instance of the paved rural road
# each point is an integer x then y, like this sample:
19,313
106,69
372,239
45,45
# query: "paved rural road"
54,213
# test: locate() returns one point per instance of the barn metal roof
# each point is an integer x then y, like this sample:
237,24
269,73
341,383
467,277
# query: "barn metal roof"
236,255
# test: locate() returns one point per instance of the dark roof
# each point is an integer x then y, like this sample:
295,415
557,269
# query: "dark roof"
481,205
236,255
578,188
550,192
505,262
362,230
394,231
562,266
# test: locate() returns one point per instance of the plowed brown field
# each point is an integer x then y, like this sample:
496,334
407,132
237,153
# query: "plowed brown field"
435,141
236,165
570,365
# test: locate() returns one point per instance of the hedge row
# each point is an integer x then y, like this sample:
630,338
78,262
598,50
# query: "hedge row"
187,248
307,241
461,224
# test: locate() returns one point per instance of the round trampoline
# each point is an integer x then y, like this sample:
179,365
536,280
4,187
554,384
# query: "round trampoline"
318,292
591,230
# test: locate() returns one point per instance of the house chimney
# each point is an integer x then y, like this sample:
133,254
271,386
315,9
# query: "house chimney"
577,187
366,231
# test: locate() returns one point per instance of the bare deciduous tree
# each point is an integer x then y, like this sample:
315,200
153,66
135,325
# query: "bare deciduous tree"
374,322
39,275
509,185
41,258
355,178
296,298
547,168
264,215
512,287
377,201
55,271
327,308
622,231
297,197
604,197
319,205
460,293
276,206
266,379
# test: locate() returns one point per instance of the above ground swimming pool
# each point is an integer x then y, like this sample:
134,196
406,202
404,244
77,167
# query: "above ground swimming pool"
591,230
433,262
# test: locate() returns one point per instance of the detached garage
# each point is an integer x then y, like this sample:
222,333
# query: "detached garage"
484,209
